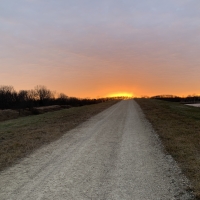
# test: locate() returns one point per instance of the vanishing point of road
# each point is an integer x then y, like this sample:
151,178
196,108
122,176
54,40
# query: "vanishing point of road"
115,155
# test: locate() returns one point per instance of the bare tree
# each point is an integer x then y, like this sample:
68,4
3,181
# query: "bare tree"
62,96
43,94
7,97
40,96
22,100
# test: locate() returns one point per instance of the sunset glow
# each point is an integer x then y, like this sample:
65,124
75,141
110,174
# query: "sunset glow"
97,48
121,94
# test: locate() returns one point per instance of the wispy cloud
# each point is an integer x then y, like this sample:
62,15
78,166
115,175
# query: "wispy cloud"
124,44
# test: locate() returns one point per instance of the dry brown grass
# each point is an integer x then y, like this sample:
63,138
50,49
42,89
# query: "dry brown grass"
44,109
19,137
179,129
13,114
8,114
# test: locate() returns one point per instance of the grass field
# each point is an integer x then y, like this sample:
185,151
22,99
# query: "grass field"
19,137
178,126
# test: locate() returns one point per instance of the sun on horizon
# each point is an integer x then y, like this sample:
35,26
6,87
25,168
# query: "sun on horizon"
121,94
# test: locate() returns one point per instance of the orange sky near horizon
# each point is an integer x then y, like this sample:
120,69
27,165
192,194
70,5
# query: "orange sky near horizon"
98,48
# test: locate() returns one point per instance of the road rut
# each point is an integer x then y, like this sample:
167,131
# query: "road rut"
115,155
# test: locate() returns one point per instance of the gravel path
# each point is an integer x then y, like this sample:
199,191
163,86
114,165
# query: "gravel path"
115,155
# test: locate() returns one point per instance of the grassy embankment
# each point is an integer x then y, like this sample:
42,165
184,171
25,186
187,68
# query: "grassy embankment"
179,129
19,137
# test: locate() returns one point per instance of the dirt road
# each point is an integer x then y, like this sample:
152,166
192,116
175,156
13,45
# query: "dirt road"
115,155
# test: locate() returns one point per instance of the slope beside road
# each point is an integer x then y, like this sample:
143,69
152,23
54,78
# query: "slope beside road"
114,155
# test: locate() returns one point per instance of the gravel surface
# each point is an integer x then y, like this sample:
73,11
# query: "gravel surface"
114,155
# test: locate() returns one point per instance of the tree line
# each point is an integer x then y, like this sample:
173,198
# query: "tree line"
173,98
39,96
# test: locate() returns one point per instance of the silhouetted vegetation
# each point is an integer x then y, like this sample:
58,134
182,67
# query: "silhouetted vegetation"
40,96
172,98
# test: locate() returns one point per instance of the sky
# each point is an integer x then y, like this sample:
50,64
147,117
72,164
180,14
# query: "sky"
91,48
